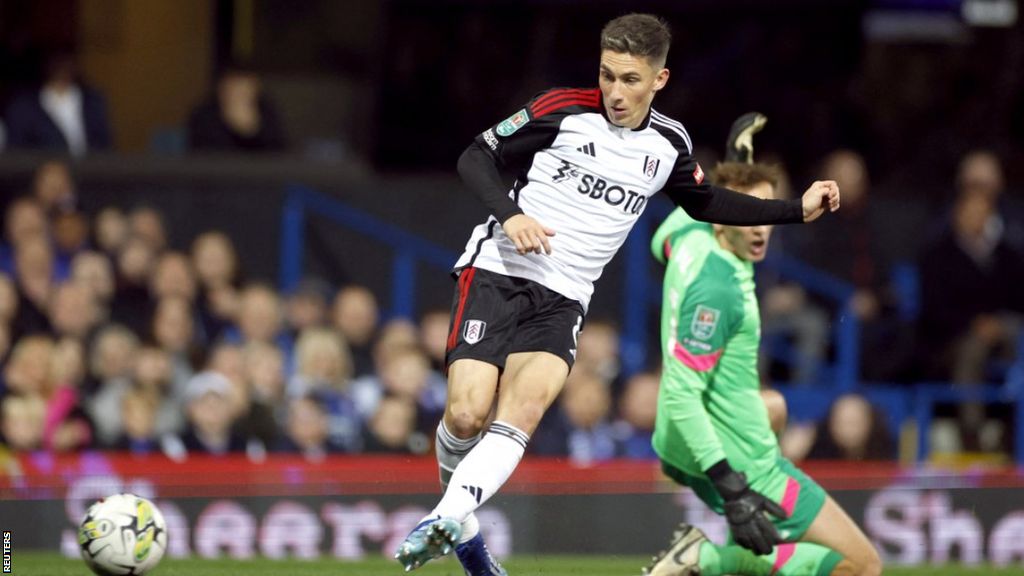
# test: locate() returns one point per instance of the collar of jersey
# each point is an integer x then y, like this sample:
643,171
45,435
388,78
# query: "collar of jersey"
643,125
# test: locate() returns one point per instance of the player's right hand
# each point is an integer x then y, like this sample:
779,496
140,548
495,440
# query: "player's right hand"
528,234
821,196
746,510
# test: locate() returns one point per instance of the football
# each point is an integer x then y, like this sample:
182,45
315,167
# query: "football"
122,535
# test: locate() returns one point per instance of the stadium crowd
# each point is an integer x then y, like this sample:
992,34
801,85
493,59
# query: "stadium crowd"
111,338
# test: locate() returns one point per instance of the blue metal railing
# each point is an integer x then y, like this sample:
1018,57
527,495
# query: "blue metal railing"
409,248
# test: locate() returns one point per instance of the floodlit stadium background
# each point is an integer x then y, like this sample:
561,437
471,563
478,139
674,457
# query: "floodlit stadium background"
918,105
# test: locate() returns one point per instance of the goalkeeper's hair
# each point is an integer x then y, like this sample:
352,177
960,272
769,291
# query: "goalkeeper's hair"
743,175
639,35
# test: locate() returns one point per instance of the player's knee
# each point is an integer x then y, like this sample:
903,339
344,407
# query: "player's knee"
777,410
526,414
462,421
872,564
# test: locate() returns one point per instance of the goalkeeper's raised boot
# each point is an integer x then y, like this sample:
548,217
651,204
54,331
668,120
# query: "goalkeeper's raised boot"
681,558
431,538
740,145
476,559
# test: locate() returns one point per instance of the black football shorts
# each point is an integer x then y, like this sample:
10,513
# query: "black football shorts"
494,315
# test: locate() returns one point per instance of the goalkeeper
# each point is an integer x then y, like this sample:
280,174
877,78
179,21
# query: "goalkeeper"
712,432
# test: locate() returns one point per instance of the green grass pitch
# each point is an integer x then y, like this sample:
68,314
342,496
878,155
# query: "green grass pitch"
50,564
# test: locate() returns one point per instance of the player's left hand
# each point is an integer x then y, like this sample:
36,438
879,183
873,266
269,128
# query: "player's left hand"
822,195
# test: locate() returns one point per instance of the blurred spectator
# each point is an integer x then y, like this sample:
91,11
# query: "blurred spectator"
172,277
638,408
27,371
583,431
306,306
307,431
34,264
264,371
356,315
70,235
110,231
970,288
24,220
138,413
67,425
980,173
8,300
434,337
150,373
216,264
147,224
392,429
210,416
854,251
255,372
73,311
323,366
63,114
38,367
134,305
598,352
215,260
173,331
238,116
22,422
227,359
111,358
853,430
54,188
404,372
261,319
94,271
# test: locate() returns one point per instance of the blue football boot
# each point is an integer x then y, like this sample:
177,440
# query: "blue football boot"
431,538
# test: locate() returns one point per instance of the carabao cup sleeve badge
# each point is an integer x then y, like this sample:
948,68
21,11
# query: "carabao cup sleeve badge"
508,126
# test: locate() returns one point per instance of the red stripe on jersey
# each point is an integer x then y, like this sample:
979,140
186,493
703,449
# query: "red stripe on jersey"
555,94
562,98
464,281
559,104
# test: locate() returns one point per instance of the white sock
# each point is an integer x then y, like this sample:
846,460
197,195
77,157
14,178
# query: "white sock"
450,450
483,471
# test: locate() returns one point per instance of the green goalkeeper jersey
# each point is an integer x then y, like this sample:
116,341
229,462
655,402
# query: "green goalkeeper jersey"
709,404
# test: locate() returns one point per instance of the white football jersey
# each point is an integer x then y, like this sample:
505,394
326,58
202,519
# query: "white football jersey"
584,178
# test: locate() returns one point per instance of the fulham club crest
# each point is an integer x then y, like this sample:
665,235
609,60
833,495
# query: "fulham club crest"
473,331
651,164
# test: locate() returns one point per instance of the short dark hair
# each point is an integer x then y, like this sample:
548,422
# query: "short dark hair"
742,175
638,34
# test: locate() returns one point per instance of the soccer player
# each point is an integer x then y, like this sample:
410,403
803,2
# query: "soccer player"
713,432
586,161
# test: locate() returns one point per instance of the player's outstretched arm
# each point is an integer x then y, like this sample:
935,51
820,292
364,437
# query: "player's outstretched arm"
822,195
745,509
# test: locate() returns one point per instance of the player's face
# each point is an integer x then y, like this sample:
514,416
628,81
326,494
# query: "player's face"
628,84
748,243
